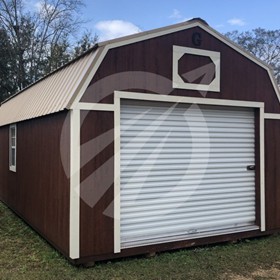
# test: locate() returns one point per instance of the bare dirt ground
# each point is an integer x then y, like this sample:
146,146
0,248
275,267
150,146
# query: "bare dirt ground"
261,274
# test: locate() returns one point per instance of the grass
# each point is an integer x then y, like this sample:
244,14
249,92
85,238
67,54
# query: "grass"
25,255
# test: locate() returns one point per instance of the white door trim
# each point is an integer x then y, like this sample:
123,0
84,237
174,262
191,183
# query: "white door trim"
117,172
184,99
262,169
118,95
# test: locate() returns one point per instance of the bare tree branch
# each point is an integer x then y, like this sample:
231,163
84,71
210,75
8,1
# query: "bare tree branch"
36,41
265,44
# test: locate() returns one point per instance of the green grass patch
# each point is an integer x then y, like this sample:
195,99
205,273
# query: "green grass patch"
25,255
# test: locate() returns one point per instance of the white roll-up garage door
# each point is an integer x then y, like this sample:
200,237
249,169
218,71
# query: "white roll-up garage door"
184,172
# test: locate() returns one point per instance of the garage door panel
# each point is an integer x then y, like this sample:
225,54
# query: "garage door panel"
190,219
191,207
195,161
206,178
146,193
191,183
242,125
183,200
211,118
178,109
180,232
183,172
217,167
218,136
225,129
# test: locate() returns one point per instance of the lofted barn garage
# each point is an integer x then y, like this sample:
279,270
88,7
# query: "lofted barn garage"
161,140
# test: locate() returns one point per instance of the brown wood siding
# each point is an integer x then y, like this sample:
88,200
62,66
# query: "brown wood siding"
39,190
97,183
241,79
272,167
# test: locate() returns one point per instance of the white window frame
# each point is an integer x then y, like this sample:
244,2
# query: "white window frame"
178,82
12,165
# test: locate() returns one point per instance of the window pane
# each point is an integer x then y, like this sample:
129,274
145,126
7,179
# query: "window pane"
13,157
13,132
13,143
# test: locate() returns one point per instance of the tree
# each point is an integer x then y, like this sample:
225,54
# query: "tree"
7,78
36,41
86,42
264,44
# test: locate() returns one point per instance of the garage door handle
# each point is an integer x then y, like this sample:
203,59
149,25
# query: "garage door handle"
251,167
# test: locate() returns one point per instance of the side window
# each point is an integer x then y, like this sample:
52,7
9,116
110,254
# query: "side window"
13,147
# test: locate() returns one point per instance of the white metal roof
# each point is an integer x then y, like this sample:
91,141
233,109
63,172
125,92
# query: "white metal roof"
49,95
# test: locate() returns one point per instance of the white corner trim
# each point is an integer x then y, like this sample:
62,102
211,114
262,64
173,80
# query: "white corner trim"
262,170
191,100
95,106
117,172
178,82
272,116
74,234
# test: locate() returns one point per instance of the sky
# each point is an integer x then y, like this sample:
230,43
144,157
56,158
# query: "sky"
111,18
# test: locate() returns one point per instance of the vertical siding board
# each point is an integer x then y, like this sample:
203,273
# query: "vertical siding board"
5,192
97,183
272,163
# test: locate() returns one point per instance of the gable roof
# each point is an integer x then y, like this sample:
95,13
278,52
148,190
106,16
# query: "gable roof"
63,88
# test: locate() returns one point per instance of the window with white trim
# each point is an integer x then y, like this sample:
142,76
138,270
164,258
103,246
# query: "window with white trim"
209,78
13,147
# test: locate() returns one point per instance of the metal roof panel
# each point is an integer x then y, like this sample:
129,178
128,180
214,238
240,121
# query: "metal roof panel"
49,95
